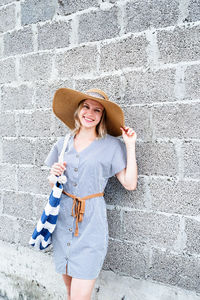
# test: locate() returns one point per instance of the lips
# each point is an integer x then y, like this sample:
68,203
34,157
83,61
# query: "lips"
88,119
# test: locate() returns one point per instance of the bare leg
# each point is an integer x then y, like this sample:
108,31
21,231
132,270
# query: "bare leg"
67,280
81,289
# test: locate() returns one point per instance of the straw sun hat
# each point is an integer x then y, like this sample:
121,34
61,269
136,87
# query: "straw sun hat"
66,101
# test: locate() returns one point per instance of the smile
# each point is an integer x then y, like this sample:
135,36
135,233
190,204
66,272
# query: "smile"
88,120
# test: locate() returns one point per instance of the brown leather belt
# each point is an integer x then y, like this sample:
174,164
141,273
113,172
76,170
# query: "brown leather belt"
79,207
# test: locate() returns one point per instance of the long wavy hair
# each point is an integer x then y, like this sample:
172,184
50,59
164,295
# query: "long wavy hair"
101,129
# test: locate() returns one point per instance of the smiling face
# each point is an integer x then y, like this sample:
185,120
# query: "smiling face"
90,113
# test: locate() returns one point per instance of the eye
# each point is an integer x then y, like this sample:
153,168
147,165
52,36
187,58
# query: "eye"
85,105
98,110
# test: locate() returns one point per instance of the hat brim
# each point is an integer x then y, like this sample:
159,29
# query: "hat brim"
65,103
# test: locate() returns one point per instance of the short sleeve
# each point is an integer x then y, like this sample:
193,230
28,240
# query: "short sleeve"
52,157
119,160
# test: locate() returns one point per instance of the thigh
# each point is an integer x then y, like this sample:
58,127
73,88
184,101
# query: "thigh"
82,288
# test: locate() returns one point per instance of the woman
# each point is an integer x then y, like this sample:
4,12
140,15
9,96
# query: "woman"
93,155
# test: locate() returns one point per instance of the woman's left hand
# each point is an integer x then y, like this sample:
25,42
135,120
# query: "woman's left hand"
129,135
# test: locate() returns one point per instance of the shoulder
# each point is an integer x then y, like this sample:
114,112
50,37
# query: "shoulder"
60,140
113,141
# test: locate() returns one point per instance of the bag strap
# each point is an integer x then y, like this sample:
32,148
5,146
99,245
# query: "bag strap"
61,156
62,178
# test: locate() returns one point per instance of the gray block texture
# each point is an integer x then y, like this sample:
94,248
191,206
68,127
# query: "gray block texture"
7,18
67,7
33,11
146,56
54,35
142,15
98,25
18,42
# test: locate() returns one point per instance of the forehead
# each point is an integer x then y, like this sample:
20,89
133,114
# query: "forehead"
94,103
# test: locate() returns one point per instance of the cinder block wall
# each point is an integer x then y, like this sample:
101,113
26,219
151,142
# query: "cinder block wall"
146,56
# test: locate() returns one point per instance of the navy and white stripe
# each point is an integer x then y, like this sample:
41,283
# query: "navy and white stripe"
41,237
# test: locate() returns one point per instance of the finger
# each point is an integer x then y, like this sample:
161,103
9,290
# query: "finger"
129,131
55,173
57,168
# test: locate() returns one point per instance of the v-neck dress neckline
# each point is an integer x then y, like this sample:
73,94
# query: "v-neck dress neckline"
80,152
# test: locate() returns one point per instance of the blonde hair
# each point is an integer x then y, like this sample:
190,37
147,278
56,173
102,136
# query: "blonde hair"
101,129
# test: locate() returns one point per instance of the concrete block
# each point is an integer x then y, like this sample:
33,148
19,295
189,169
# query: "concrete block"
36,124
35,67
44,92
150,228
33,180
111,85
77,61
114,223
174,196
23,95
67,7
18,41
142,15
18,205
33,11
191,159
157,158
42,148
92,25
3,2
116,194
126,259
7,18
54,35
24,232
124,53
149,86
192,82
139,119
8,177
194,11
7,124
18,151
180,44
170,121
192,230
7,70
59,129
180,270
7,229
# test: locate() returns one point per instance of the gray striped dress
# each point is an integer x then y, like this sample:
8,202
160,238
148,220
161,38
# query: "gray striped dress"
87,173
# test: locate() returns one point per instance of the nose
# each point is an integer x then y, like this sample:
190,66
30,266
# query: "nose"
90,112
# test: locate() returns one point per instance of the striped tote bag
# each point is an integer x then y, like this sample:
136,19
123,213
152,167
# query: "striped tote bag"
41,237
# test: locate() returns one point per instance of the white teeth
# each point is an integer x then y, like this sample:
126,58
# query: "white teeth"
88,119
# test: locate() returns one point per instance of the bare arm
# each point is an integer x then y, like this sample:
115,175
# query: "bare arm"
128,176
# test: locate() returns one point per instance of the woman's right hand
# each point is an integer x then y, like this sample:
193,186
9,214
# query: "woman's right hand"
57,168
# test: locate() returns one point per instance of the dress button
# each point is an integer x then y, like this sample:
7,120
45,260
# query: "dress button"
77,155
68,244
74,184
75,169
70,229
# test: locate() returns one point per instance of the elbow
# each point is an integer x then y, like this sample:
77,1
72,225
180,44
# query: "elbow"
131,187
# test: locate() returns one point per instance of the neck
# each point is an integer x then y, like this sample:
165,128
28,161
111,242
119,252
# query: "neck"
87,133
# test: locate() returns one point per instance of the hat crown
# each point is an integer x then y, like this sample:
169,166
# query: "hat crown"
97,93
